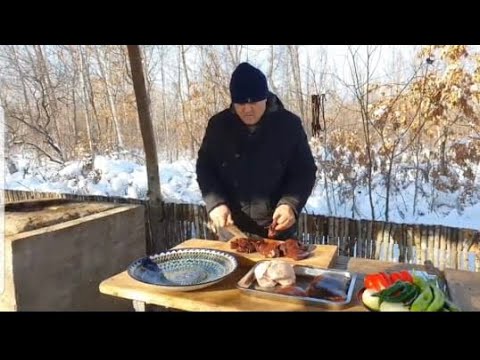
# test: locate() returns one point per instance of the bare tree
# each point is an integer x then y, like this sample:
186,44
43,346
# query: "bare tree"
186,119
361,91
234,54
158,242
102,60
167,148
297,80
272,69
43,72
86,99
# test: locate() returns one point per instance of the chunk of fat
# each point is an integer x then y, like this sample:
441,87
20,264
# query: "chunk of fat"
270,273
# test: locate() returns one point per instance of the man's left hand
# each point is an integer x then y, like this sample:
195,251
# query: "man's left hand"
284,217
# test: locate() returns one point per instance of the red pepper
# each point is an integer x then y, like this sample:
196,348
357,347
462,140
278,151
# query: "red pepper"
371,282
396,276
385,280
377,281
406,276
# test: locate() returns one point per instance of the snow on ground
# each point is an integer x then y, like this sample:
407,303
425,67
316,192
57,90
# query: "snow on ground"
127,178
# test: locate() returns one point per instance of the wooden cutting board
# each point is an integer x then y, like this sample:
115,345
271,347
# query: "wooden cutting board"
323,256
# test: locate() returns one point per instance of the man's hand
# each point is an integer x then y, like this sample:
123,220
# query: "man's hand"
284,217
221,216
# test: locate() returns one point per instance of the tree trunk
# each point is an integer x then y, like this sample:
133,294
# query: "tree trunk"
388,185
235,54
186,119
271,69
22,79
45,77
294,58
361,92
166,135
83,85
75,125
417,173
443,149
157,221
111,103
95,122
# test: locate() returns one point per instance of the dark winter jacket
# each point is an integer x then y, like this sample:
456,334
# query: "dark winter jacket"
254,171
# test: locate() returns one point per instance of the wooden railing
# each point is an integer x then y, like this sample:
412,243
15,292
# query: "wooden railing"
446,247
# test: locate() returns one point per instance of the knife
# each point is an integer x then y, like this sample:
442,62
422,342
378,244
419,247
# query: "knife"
229,232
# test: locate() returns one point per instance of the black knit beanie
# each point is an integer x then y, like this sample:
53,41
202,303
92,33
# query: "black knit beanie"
248,84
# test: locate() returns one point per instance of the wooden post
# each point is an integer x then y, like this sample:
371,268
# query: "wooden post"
436,245
424,244
417,237
351,225
357,234
431,244
366,242
443,249
326,229
316,127
155,235
369,239
330,235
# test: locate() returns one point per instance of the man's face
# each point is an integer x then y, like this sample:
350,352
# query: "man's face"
250,113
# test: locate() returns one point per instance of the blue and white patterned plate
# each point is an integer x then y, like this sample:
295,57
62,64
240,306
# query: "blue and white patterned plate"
184,269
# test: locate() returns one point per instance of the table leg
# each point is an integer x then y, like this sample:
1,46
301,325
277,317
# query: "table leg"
142,306
138,305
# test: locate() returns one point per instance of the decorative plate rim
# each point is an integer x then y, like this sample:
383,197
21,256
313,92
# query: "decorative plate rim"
153,257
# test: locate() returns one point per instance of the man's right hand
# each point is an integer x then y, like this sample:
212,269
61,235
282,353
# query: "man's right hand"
221,216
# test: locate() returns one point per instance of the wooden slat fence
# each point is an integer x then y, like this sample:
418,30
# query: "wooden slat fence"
446,247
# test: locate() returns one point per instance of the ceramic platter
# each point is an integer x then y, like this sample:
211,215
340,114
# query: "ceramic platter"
184,269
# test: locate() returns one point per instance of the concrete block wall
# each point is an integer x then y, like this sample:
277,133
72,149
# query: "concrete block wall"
59,267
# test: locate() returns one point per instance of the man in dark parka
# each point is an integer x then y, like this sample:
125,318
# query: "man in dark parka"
255,165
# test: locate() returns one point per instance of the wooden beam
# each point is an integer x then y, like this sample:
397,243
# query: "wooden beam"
155,239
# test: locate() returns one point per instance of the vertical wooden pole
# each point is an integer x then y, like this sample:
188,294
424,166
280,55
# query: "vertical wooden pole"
157,240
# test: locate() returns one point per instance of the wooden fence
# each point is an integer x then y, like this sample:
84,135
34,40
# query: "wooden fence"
445,246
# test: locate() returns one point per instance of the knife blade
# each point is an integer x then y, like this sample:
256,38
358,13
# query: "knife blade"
229,232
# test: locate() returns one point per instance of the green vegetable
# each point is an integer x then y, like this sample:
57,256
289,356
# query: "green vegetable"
420,282
408,292
422,302
386,293
449,306
438,299
413,297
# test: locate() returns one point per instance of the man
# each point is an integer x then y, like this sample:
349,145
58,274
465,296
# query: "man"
255,165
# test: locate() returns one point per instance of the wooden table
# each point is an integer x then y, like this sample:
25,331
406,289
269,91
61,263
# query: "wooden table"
224,296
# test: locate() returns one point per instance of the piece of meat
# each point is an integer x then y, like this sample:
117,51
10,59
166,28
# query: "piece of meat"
294,249
262,277
328,287
299,255
272,272
269,249
245,245
271,230
291,290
